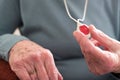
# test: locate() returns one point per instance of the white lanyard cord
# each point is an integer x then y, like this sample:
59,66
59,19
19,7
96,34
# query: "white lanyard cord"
84,13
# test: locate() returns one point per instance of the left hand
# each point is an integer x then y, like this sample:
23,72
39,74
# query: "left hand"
100,61
31,61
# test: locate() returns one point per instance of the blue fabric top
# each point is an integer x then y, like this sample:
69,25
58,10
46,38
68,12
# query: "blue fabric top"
47,23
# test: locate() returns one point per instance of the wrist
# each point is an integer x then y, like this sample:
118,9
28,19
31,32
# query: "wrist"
17,45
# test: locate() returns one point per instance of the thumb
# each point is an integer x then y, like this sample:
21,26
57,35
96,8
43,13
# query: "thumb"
104,39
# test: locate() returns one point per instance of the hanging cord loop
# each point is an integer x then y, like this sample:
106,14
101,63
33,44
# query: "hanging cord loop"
84,13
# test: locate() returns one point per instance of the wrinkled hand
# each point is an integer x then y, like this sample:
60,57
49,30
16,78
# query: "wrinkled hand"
32,62
100,61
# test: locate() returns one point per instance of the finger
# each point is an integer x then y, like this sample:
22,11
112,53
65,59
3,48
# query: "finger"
98,44
22,74
50,66
103,38
60,76
79,36
40,69
82,40
87,47
93,54
33,76
102,63
95,42
31,71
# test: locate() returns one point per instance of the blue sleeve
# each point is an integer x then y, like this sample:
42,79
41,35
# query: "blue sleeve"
10,19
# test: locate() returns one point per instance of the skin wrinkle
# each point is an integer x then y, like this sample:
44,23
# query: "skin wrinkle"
35,58
92,62
100,37
100,60
54,72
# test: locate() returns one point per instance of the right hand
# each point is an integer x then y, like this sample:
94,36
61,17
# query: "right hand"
100,61
32,62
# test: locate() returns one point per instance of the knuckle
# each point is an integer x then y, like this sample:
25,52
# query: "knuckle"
54,75
48,53
36,56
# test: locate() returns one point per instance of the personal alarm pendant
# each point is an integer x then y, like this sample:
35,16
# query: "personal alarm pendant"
80,26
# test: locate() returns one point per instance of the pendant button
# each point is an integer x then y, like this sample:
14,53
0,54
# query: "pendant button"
84,29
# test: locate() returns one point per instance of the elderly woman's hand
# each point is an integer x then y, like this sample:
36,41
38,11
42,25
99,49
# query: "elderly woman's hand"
32,62
100,61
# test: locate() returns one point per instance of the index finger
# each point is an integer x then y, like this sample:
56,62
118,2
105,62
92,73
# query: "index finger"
53,73
87,47
80,37
23,74
104,39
